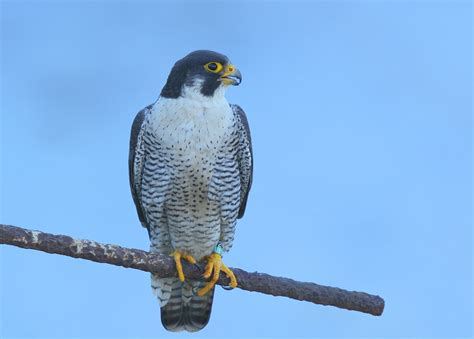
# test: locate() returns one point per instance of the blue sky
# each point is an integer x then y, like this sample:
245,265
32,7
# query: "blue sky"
361,122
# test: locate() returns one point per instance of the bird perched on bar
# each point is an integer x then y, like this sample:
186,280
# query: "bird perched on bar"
190,166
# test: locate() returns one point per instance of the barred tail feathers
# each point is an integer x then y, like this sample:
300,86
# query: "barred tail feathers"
162,288
181,308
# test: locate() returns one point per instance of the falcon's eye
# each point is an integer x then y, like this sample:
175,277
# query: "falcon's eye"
213,67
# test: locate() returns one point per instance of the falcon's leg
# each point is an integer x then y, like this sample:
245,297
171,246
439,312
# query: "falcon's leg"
215,266
178,255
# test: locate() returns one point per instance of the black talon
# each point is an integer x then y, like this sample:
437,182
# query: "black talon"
201,270
227,288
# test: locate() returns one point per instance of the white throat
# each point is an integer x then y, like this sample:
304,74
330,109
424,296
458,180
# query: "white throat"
193,116
195,97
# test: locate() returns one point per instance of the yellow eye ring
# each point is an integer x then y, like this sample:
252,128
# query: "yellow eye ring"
213,67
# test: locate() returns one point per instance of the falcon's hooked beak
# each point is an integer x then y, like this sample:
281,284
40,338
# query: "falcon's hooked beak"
231,76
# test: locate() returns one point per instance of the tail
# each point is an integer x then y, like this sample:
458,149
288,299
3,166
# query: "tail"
181,308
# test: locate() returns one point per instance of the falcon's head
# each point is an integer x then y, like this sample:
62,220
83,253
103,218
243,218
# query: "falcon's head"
205,71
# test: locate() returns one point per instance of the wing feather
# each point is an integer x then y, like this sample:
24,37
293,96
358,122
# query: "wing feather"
245,155
136,160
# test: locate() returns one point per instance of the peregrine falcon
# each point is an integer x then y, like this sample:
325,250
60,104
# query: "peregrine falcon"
190,166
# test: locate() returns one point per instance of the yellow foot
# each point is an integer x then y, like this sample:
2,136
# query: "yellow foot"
178,255
215,266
